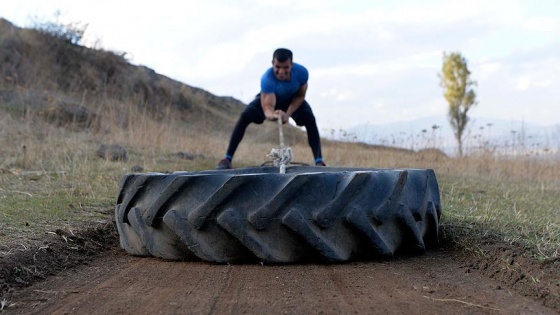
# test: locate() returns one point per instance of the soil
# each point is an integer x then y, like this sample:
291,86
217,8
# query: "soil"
87,273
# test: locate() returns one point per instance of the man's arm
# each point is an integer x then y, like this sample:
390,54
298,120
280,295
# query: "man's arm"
268,102
296,101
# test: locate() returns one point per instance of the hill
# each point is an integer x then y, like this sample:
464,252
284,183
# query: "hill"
36,60
45,74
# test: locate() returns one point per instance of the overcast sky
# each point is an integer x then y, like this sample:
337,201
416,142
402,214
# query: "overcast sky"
369,61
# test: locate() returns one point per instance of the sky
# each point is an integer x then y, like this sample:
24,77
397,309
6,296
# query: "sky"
370,62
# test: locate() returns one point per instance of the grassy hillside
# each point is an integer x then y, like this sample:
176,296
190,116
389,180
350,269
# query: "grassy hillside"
44,73
59,102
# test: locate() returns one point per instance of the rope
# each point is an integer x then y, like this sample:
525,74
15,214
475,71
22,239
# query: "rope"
283,156
280,132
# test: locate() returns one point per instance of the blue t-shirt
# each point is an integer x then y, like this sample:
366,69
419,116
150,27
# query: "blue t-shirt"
284,90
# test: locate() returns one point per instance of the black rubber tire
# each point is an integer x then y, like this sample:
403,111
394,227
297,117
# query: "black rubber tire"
256,214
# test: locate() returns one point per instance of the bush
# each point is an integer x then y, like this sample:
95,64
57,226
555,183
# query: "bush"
72,33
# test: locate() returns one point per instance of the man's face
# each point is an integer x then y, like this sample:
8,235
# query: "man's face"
282,70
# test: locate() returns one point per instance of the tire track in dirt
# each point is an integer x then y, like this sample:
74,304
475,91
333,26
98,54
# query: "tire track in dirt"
120,284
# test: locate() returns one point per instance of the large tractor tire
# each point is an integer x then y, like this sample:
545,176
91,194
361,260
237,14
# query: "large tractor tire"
257,214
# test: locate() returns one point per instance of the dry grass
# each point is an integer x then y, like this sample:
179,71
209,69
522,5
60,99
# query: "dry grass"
50,177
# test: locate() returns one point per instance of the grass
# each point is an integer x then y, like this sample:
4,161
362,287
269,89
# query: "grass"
5,304
519,211
32,205
51,178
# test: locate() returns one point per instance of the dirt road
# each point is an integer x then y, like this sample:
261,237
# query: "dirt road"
436,283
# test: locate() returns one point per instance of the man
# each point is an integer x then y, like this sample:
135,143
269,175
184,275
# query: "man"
282,96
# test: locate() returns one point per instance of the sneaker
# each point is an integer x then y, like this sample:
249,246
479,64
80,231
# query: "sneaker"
320,163
224,164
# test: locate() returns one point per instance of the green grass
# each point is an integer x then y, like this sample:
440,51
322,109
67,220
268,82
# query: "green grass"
518,211
30,207
78,193
515,210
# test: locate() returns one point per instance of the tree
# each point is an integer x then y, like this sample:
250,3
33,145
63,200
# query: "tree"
459,93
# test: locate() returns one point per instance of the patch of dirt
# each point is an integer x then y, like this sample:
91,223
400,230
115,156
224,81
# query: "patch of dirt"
510,265
533,279
21,267
89,273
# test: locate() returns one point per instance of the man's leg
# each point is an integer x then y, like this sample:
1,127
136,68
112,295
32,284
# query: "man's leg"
303,116
252,114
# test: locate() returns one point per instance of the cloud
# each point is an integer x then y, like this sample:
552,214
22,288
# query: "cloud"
523,83
371,61
486,70
542,24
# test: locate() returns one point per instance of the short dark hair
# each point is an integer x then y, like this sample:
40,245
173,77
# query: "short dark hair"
282,54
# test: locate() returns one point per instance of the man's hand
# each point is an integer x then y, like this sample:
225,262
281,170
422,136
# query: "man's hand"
271,115
283,115
268,101
275,115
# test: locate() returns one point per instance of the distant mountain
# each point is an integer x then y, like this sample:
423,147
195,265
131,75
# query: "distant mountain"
505,136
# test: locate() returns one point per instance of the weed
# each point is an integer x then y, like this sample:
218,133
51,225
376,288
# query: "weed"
4,304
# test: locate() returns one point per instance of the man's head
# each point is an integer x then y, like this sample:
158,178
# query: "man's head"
282,64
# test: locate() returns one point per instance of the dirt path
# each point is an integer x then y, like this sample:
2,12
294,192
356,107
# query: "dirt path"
438,282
